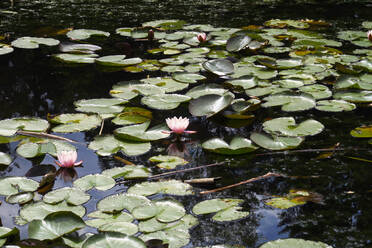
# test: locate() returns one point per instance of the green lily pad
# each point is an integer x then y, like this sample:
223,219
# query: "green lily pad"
276,143
100,105
164,101
5,159
117,60
167,84
238,145
362,132
83,34
294,243
165,24
130,89
206,89
101,218
20,198
350,35
70,195
345,82
286,126
9,127
75,122
8,233
220,67
287,23
245,82
146,211
113,239
119,202
33,42
139,133
55,225
39,210
290,102
317,91
186,77
151,225
262,91
230,214
357,96
78,48
335,106
167,162
42,147
132,115
5,49
107,145
171,187
14,185
76,58
174,238
209,105
237,43
283,202
119,226
97,181
128,172
169,210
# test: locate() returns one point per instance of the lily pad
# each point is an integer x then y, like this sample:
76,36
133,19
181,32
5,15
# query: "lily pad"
97,181
286,126
5,159
335,106
220,67
70,123
318,91
357,96
167,162
128,172
187,77
164,101
209,105
101,218
72,196
42,147
55,225
171,187
9,127
76,58
167,84
83,34
133,115
100,105
169,210
139,132
362,132
4,49
107,145
130,89
275,142
20,198
290,102
78,48
119,226
119,202
230,214
113,239
238,145
237,43
206,89
117,60
34,42
294,243
14,185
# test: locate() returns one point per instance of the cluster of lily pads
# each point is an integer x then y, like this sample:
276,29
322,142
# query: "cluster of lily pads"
229,72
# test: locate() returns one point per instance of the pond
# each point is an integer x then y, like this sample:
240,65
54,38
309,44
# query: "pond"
280,110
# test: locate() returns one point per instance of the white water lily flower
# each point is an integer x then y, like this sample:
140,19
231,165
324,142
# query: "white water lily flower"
67,159
178,125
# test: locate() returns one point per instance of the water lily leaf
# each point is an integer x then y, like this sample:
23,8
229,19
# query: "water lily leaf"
5,159
113,239
316,43
350,35
283,202
4,49
186,77
124,31
289,83
146,211
70,195
42,147
206,89
151,225
97,181
354,96
174,238
54,226
172,68
230,214
118,202
317,91
276,143
165,24
107,145
128,172
76,58
167,162
345,82
164,101
117,60
74,241
20,198
100,105
169,210
78,48
130,89
237,43
286,126
83,34
287,23
294,243
238,145
335,106
102,218
290,102
262,91
362,132
39,210
119,226
209,105
139,133
9,127
215,205
220,67
14,185
132,115
33,42
70,123
167,84
171,187
7,233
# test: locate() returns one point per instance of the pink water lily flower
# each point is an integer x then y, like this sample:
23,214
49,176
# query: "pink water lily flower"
178,125
202,37
369,35
67,159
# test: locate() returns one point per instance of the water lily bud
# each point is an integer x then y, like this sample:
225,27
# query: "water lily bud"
202,37
150,34
369,35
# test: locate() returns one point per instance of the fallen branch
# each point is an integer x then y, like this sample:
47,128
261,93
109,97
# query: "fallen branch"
44,135
202,180
270,174
305,150
101,129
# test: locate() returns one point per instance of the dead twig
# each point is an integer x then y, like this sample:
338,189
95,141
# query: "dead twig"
269,174
304,151
44,135
101,129
202,180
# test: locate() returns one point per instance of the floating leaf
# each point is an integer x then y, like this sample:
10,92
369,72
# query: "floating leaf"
290,102
128,172
210,105
175,238
171,187
238,145
246,82
20,198
169,210
167,84
206,89
113,239
119,202
294,243
100,105
132,115
55,225
97,181
70,195
14,185
102,218
230,214
78,48
286,126
354,96
5,159
4,49
220,67
362,132
76,58
139,132
276,143
215,205
130,89
237,43
75,122
335,106
119,226
9,127
107,145
145,211
164,101
83,34
187,77
33,42
42,147
285,23
168,162
318,91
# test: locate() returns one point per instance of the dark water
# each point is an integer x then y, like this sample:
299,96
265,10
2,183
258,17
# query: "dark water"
33,84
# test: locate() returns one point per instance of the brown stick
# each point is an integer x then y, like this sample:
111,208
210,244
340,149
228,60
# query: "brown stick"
202,180
305,150
270,174
44,135
101,129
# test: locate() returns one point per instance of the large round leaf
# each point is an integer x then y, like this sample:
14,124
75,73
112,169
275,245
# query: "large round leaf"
100,106
101,218
9,127
75,122
290,102
294,243
171,187
335,106
237,43
210,105
82,34
164,101
119,226
76,58
5,159
114,240
275,142
14,185
287,126
168,162
5,49
230,214
166,83
97,181
169,210
354,96
132,115
33,42
187,77
215,205
362,132
128,172
139,133
119,202
220,67
70,195
130,89
238,145
206,89
54,226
